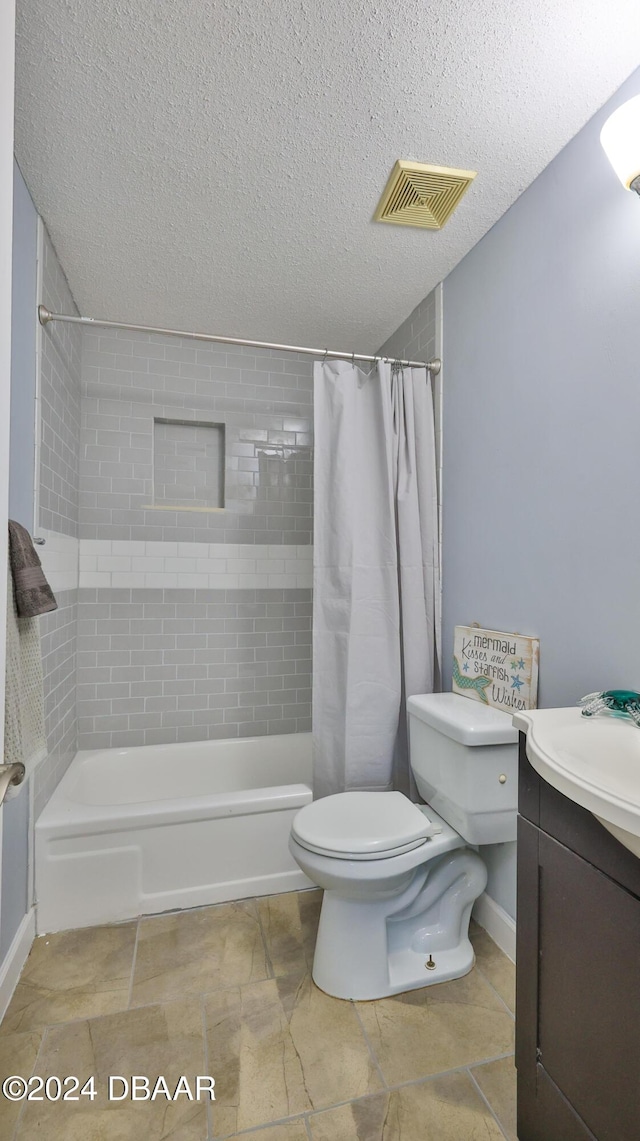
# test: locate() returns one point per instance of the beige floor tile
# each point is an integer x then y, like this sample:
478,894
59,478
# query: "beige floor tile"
290,924
284,1131
282,1047
18,1054
358,1121
497,1080
165,1040
444,1109
437,1028
192,952
494,964
73,974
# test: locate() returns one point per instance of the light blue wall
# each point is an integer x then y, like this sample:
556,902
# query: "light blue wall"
15,832
541,443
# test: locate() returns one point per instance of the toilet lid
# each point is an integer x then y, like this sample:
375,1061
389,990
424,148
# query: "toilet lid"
361,824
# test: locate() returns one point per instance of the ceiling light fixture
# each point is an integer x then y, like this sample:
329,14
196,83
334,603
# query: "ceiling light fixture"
620,138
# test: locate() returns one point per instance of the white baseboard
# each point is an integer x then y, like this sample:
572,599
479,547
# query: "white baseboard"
497,923
15,959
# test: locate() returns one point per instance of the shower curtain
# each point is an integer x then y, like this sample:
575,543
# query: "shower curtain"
376,602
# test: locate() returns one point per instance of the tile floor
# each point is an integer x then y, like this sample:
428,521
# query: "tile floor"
226,991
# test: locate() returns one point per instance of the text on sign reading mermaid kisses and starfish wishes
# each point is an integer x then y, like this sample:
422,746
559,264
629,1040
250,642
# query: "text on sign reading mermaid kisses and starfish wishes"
495,668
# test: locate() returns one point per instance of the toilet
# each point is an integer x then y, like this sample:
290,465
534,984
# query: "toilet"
399,879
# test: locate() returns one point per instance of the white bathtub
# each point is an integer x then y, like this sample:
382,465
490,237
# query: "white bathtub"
136,831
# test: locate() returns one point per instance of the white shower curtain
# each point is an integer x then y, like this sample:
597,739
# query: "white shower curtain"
376,608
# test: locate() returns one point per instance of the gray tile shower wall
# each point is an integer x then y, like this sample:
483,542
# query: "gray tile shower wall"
172,432
58,631
133,380
158,666
59,386
60,366
415,338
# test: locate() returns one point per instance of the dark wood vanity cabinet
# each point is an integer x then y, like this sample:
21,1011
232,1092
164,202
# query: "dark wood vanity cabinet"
578,972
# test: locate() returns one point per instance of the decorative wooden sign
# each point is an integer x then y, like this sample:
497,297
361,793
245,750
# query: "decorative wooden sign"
495,668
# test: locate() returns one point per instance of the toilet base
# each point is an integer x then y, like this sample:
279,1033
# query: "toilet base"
408,971
372,948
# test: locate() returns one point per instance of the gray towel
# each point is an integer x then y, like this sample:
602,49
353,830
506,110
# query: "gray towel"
24,735
32,591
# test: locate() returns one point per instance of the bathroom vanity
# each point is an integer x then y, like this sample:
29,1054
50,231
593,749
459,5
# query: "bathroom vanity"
578,970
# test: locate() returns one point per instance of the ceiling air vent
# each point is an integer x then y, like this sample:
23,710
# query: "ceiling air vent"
418,194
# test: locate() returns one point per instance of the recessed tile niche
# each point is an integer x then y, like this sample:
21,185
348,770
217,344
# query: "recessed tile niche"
188,464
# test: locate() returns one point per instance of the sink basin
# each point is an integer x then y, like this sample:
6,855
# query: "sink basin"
595,761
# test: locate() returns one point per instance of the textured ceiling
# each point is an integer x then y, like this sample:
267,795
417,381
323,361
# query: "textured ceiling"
216,165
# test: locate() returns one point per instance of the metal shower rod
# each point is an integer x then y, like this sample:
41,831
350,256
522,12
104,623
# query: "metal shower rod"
45,317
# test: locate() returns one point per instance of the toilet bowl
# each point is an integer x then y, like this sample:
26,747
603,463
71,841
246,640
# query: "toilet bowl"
399,881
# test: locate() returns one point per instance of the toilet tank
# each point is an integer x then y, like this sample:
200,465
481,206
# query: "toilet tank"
464,758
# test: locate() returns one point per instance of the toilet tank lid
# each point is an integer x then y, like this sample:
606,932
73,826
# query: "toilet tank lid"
463,719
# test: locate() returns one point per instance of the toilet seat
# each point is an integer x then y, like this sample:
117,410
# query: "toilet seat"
362,826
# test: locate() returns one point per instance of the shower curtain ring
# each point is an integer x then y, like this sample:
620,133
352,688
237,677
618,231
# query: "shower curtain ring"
326,353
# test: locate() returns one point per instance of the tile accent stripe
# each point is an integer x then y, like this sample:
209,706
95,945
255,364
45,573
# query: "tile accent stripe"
130,564
68,563
59,557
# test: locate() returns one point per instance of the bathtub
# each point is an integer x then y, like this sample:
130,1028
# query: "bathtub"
135,831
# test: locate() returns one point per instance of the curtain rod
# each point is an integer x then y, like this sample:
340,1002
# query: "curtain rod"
45,316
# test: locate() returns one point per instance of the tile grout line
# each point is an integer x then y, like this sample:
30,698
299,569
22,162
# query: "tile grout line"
267,954
432,1077
370,1048
133,965
367,1096
33,1071
205,1047
487,1103
508,1009
253,1129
